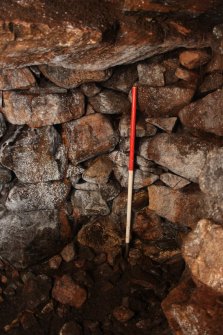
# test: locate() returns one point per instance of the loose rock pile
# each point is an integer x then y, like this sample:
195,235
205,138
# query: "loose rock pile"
64,125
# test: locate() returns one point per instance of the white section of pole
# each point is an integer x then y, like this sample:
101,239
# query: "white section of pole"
129,207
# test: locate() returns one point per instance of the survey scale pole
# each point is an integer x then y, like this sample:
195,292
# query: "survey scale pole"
131,170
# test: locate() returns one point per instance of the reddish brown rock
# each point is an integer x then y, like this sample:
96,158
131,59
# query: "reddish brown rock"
174,181
192,310
122,79
211,82
68,252
69,78
205,114
163,101
90,89
110,102
167,124
183,155
191,59
211,177
54,262
88,203
44,109
35,155
177,206
99,171
147,225
186,75
16,79
122,314
101,236
29,197
215,64
151,74
71,328
88,137
202,251
67,292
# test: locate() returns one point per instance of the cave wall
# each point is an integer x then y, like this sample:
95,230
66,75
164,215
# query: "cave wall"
65,83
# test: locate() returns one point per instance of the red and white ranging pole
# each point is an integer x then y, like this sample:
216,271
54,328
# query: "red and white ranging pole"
131,168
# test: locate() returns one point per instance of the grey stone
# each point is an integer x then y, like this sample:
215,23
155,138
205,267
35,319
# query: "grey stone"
142,128
174,181
151,74
167,124
88,203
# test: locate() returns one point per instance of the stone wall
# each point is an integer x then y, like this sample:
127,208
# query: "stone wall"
65,123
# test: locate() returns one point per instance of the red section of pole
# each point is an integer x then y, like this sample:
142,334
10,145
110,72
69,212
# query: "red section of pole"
132,129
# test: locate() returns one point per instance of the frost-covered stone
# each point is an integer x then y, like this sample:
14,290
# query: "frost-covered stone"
108,191
44,109
34,155
88,137
88,203
151,74
30,197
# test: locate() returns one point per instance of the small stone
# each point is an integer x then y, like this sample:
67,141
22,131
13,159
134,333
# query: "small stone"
99,171
202,251
29,197
147,225
110,102
192,59
71,328
108,191
70,78
141,178
174,181
90,89
68,252
101,236
186,75
177,206
211,177
119,158
124,144
54,262
5,175
163,101
89,110
123,78
122,314
142,129
215,64
183,155
88,203
67,292
171,65
201,114
151,74
16,79
167,124
34,155
44,109
88,137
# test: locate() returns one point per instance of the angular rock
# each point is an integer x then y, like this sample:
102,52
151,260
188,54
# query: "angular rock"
31,197
205,114
142,129
119,158
215,64
147,225
211,177
141,178
68,252
29,237
108,191
151,74
192,59
211,82
101,236
192,310
174,181
183,155
202,251
163,101
69,78
88,137
54,262
35,155
89,110
44,109
89,203
71,328
167,124
90,89
186,75
123,314
124,144
177,206
99,171
122,79
171,64
67,292
110,102
16,79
